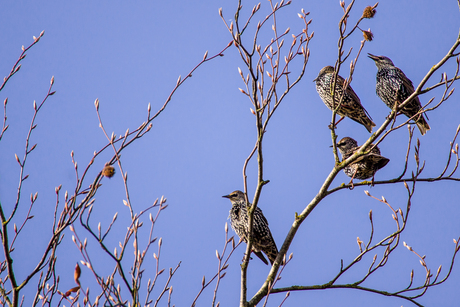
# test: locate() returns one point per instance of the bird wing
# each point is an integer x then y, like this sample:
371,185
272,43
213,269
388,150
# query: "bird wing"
414,106
355,97
353,94
406,81
382,162
374,150
374,154
262,230
260,256
378,160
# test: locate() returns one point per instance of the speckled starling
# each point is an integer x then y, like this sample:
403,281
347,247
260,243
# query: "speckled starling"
394,87
365,166
262,240
350,106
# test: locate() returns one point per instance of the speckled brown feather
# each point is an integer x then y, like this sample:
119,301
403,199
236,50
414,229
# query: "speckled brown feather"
393,86
365,166
262,239
350,106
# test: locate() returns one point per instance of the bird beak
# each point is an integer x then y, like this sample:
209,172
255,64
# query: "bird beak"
226,196
315,79
374,57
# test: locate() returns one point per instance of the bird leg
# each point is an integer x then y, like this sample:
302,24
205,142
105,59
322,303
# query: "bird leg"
244,257
351,181
335,126
395,107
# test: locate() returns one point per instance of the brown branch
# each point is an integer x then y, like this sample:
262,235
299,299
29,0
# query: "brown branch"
222,266
16,65
323,191
7,249
273,52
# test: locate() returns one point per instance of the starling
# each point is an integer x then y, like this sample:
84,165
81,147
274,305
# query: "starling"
394,87
350,106
262,240
365,166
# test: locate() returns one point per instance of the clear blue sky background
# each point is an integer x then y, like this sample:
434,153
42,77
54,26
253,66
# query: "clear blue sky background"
130,54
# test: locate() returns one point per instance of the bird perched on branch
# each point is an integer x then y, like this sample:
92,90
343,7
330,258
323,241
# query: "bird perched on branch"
262,240
365,166
393,87
350,105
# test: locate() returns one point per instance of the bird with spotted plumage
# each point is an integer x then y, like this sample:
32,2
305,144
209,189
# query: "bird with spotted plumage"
262,240
365,166
350,106
394,87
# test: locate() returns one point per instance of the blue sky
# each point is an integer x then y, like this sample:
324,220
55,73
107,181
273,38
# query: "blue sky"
128,55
